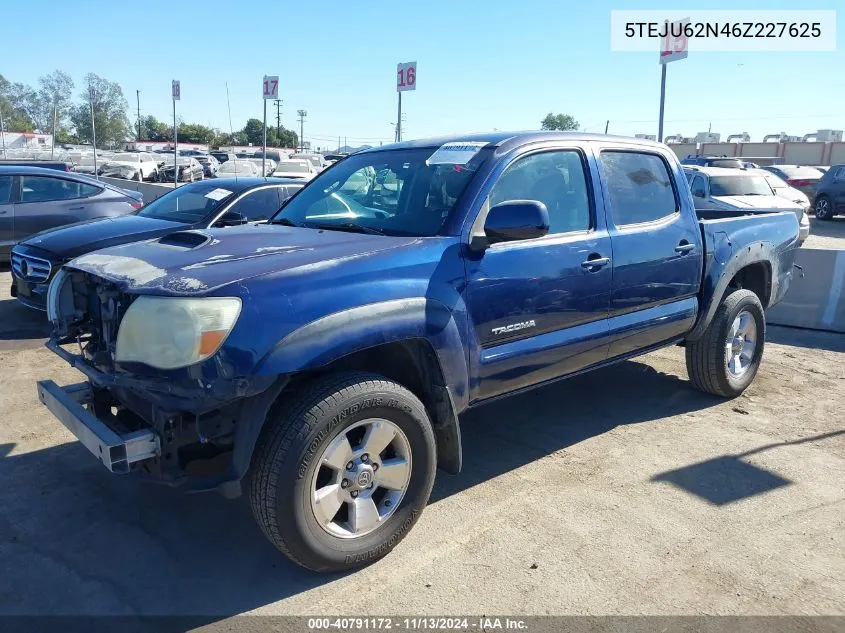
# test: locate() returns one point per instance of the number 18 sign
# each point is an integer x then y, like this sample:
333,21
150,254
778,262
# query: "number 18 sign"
406,76
271,86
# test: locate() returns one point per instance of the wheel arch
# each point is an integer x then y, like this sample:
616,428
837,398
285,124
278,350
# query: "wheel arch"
751,268
416,342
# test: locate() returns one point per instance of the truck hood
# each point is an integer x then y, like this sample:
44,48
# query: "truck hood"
201,261
77,239
756,202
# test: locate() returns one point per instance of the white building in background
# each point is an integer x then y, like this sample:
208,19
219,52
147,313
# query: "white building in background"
26,140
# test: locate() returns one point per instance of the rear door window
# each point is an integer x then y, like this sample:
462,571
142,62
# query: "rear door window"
46,189
639,187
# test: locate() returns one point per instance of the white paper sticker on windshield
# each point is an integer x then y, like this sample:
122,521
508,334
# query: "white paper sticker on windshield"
218,194
458,153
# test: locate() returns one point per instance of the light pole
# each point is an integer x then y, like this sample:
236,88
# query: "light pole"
302,114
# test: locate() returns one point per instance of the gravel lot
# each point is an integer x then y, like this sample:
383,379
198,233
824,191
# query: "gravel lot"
619,492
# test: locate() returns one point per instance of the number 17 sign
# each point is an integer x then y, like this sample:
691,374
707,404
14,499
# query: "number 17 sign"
271,87
406,77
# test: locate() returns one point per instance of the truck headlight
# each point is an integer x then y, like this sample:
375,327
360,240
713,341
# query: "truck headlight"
171,332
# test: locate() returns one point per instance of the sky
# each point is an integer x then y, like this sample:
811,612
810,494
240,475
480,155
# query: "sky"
494,64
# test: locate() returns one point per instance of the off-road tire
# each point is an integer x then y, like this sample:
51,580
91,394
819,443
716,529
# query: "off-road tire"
707,356
297,431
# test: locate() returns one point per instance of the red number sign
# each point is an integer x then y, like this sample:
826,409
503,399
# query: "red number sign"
406,77
271,87
674,46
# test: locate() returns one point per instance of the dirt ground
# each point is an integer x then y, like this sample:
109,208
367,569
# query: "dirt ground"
619,492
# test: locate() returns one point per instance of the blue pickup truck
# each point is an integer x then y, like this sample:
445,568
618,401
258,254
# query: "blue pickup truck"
321,361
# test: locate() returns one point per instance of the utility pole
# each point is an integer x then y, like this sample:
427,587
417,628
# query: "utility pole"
279,122
138,97
338,145
606,125
302,114
93,129
2,133
53,145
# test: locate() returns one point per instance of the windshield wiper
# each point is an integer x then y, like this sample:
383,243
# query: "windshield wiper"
348,226
285,222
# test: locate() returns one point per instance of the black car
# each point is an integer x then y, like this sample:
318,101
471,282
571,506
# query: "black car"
830,193
189,170
222,157
200,205
33,199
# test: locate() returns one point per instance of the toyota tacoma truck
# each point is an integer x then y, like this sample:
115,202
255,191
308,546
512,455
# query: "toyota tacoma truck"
321,361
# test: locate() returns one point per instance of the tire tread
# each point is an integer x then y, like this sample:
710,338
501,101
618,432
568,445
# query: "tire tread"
290,418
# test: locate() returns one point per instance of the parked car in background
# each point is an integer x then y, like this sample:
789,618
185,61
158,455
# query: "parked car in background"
300,169
714,161
321,363
333,158
801,177
33,199
316,160
720,188
210,165
830,193
198,205
238,167
267,164
189,170
222,157
131,166
783,189
85,165
823,168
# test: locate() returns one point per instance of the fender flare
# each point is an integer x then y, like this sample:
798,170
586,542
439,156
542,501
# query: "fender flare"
330,338
759,252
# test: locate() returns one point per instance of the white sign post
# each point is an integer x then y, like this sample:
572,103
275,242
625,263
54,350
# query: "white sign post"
176,93
406,79
672,48
270,87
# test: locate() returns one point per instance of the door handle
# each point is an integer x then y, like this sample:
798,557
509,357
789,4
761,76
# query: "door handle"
76,208
3,212
596,263
683,249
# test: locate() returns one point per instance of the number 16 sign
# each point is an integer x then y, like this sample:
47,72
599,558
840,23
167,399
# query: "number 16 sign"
406,77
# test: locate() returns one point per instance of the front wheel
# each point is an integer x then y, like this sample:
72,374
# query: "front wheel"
824,208
725,359
342,470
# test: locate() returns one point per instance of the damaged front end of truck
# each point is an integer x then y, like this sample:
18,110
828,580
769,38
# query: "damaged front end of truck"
192,426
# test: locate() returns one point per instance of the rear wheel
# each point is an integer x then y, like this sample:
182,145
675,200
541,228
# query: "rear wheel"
725,359
342,471
824,208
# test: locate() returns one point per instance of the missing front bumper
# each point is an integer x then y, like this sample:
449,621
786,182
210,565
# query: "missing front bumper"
116,450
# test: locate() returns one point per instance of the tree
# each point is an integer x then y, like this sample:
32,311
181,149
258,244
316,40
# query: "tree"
154,130
17,102
195,133
254,132
109,112
54,90
559,122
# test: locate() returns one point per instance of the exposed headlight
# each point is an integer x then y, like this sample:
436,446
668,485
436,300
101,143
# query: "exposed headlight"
171,332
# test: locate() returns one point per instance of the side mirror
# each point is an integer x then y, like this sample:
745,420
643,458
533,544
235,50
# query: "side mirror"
516,220
231,218
698,193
